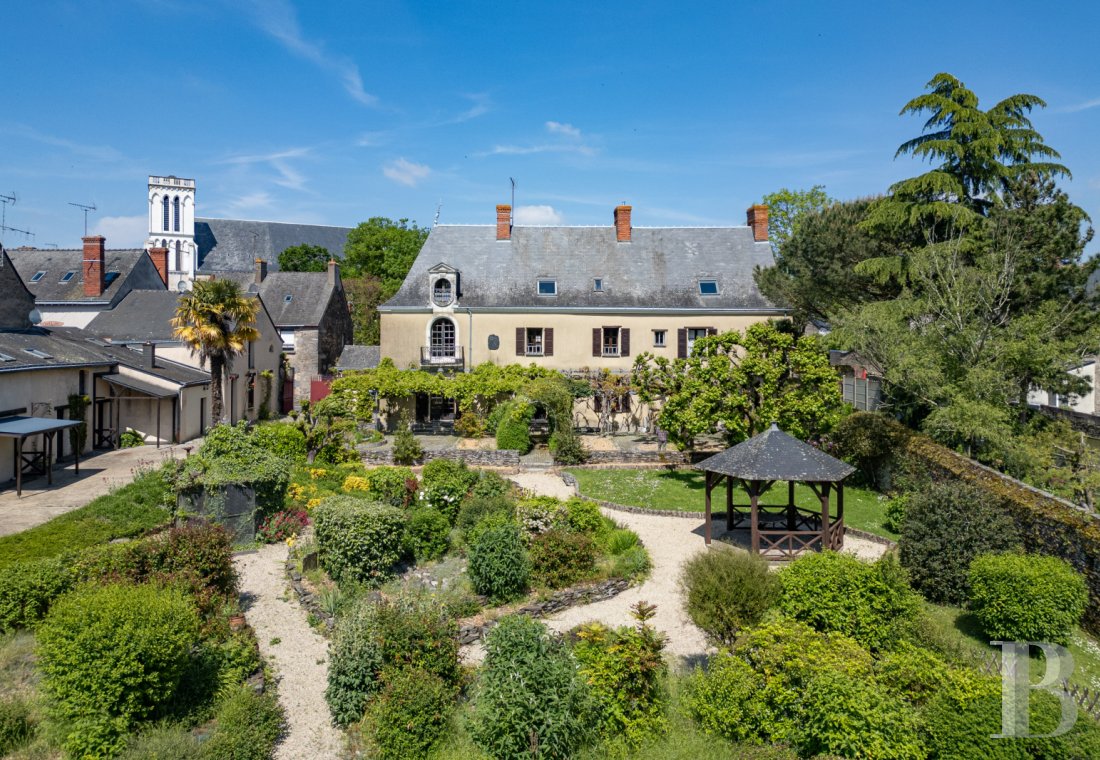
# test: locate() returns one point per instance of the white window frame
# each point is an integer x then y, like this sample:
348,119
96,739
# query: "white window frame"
609,350
542,281
709,280
694,334
597,284
538,348
660,338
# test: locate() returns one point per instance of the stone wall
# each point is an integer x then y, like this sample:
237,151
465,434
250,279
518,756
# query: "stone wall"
334,332
1089,424
670,457
472,457
304,362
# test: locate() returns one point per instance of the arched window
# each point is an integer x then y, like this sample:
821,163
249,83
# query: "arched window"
177,267
164,204
176,213
442,339
441,292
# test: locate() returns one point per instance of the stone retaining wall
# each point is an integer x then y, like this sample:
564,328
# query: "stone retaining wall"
473,457
670,458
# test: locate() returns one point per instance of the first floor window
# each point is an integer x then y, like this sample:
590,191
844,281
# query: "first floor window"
534,341
610,341
442,339
659,338
694,333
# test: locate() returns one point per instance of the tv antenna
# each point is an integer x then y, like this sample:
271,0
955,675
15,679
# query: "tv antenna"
9,200
438,208
513,194
86,210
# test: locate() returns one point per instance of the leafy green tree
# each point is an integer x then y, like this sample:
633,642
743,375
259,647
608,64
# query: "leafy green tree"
385,249
742,382
364,296
813,272
304,258
787,208
216,320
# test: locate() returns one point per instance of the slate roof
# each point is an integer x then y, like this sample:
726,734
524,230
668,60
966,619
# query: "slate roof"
359,357
142,315
57,262
309,295
233,245
60,349
774,455
660,268
182,374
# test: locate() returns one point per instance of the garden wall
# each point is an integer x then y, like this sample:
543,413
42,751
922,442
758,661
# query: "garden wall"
473,457
1047,523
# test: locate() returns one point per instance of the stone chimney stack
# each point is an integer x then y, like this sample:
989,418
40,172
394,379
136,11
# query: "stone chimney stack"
504,222
333,273
160,261
261,271
94,254
148,355
757,216
622,223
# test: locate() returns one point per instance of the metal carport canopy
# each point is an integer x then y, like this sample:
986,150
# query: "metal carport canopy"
21,428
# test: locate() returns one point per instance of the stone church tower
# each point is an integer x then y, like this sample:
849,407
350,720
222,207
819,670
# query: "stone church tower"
172,226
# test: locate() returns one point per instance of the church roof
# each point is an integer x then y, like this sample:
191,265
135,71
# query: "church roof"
774,455
232,245
660,268
57,263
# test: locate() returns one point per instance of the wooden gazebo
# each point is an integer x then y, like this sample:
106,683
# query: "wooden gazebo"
779,532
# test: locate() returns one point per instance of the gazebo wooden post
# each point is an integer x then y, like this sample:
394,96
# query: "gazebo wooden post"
840,512
754,497
826,542
706,523
790,505
729,502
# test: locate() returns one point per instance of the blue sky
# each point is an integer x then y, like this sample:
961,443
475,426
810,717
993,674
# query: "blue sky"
335,112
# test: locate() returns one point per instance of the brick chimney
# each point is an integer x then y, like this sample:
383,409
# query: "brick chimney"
504,222
622,224
758,219
160,261
261,271
333,273
93,265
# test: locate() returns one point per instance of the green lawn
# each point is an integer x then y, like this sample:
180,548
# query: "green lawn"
128,511
685,490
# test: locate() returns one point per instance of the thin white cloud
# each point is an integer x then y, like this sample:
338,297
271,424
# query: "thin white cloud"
1084,106
250,202
372,139
85,150
481,106
525,150
286,175
406,172
560,128
279,19
123,231
536,215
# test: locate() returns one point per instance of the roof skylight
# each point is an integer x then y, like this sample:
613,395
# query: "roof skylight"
38,275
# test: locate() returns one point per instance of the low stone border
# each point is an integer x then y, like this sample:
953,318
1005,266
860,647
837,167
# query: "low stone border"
639,457
474,457
305,598
572,482
558,601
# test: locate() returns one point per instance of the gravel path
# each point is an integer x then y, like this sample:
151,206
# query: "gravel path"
671,541
297,653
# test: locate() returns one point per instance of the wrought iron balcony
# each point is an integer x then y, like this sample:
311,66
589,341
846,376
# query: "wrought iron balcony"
441,356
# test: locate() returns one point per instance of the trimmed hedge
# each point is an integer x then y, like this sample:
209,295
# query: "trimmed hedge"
411,715
359,540
1026,597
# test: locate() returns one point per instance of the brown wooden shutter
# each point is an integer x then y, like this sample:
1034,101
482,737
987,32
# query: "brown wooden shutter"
597,335
624,341
548,341
521,340
712,331
682,343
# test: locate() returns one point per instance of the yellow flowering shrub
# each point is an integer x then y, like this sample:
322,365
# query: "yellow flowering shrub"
317,472
356,483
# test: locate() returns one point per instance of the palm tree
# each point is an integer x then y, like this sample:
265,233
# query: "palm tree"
216,320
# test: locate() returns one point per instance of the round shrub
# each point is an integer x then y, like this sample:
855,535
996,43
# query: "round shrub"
946,526
428,534
395,486
567,447
726,699
406,448
476,508
513,431
411,715
529,690
632,563
110,656
27,589
377,637
358,540
283,439
491,484
871,602
726,590
583,516
560,557
498,565
446,471
895,507
248,726
1026,597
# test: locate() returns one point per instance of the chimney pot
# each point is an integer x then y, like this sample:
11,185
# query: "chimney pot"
261,271
333,273
149,355
622,224
94,254
160,261
757,217
504,222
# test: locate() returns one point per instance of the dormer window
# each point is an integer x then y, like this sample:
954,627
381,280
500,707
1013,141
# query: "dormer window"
548,287
597,285
708,287
442,292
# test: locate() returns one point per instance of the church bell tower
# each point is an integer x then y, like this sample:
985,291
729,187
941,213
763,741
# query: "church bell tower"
172,226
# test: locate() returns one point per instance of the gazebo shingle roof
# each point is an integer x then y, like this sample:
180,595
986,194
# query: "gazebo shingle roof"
774,455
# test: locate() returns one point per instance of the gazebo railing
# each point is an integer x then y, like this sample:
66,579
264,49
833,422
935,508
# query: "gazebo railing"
785,545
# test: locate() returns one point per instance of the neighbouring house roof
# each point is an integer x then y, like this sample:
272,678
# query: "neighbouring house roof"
660,268
142,315
293,299
56,263
232,245
854,360
774,455
37,348
359,357
133,357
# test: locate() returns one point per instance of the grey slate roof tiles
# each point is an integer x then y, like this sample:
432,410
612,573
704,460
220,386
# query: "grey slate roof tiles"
56,263
660,268
359,357
774,455
232,245
142,315
309,294
55,349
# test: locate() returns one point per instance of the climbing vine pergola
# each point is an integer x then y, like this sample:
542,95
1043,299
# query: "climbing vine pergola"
782,531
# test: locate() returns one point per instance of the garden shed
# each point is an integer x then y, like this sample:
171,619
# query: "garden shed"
779,531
